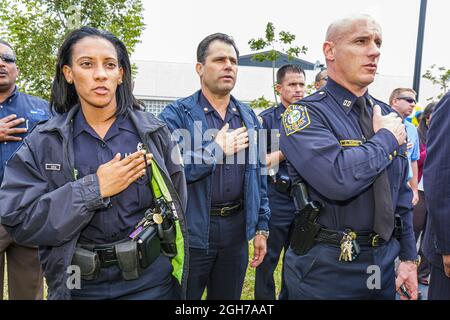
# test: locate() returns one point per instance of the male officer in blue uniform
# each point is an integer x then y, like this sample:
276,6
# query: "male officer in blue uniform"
436,183
227,197
19,112
291,87
347,160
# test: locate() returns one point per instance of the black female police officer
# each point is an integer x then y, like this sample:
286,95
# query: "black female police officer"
79,180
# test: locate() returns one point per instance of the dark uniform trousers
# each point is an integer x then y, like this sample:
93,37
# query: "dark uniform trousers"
25,280
279,226
320,275
439,288
221,268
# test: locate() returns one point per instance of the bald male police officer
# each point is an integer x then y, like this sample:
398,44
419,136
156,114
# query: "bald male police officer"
347,153
291,87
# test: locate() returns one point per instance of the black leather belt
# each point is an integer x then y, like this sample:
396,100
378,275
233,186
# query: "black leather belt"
364,238
226,209
106,252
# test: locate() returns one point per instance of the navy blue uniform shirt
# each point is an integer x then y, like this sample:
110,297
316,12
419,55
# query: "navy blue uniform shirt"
271,121
228,178
126,208
323,142
32,109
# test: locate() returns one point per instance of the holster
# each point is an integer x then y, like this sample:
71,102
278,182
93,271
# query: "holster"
88,262
305,226
148,246
303,236
127,258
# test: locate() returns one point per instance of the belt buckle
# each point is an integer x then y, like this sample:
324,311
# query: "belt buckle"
374,240
222,211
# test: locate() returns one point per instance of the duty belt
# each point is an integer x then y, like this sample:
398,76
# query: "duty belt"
106,252
363,238
226,209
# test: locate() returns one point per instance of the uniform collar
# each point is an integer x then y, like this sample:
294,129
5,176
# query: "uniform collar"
343,97
208,108
121,123
279,110
13,96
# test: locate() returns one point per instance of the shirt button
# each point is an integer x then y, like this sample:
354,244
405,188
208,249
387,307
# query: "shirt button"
227,168
102,144
390,157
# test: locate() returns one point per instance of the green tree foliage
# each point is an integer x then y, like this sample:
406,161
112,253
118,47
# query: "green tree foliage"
440,77
36,29
261,103
283,42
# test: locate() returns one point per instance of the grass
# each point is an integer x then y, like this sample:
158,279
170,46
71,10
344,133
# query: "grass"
247,291
249,282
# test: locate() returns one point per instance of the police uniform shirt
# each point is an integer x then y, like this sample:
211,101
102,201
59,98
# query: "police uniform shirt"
271,121
32,109
323,141
127,208
228,177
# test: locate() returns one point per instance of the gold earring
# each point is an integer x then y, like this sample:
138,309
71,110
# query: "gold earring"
69,81
120,82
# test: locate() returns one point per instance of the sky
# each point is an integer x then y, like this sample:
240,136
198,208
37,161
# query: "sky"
174,28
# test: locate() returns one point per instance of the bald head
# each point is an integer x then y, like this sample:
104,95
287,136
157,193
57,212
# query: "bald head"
340,28
352,50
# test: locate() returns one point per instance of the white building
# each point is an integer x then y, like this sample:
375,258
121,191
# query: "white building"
159,83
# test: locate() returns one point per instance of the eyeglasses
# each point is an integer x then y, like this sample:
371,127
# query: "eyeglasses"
408,99
7,58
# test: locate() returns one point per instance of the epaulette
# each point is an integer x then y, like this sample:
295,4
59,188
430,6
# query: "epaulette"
268,110
264,112
316,96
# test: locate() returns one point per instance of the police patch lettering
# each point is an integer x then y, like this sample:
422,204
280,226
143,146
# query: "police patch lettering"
295,118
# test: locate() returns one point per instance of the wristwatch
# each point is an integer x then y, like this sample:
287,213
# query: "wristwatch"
264,233
415,261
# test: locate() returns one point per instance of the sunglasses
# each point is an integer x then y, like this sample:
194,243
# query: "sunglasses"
7,58
408,99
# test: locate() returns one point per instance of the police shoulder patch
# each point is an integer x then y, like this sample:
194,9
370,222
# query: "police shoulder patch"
295,118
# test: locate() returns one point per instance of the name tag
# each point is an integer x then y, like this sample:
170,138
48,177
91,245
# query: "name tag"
52,167
350,143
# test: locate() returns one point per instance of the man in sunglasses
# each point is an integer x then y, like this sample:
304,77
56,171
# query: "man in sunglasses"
403,100
19,112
